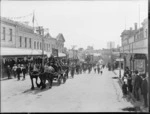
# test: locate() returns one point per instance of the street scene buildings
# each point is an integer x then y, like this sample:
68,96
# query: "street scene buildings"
74,58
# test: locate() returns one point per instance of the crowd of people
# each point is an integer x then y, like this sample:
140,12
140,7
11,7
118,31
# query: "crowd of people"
18,67
21,67
135,83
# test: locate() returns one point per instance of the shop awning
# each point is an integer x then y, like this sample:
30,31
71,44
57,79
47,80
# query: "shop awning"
96,54
16,52
61,54
119,59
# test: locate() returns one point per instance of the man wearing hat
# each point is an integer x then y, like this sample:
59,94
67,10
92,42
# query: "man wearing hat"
23,71
137,84
8,70
18,71
144,89
14,70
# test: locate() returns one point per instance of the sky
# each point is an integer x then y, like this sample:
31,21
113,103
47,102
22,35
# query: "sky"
82,23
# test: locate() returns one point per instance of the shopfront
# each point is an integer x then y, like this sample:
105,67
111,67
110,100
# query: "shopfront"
140,63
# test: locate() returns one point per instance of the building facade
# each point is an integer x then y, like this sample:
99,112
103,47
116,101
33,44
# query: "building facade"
110,45
21,36
20,42
134,48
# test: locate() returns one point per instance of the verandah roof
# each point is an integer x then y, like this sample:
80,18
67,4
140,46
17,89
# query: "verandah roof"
15,51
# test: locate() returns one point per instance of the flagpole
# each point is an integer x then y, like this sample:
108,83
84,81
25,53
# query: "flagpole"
125,23
33,18
139,16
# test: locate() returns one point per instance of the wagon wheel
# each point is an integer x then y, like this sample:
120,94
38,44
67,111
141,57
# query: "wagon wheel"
59,80
64,79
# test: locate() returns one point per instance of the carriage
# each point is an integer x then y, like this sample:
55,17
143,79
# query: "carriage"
48,73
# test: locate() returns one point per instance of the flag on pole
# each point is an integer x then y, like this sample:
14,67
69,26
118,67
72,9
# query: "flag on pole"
33,20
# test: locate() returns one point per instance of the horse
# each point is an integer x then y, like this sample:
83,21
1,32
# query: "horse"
48,74
42,74
34,75
52,72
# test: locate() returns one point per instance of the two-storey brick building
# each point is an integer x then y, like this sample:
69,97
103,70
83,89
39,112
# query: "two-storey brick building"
134,48
20,41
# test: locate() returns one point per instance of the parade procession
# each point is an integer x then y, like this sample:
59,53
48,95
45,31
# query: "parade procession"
74,56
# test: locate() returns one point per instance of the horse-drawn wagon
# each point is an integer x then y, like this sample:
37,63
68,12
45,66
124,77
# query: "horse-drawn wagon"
48,73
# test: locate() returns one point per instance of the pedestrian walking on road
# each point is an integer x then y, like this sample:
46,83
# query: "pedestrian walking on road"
124,88
18,71
98,69
144,90
133,80
95,69
8,71
14,70
101,72
129,83
137,85
23,71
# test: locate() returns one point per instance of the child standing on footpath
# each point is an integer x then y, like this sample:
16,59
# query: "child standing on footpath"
124,88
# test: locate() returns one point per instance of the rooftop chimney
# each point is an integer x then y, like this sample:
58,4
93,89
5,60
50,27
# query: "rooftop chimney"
135,25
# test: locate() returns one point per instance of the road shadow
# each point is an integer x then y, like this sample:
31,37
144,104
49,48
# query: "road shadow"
39,90
114,77
131,109
129,98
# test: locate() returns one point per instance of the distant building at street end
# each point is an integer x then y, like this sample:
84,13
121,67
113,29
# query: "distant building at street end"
110,45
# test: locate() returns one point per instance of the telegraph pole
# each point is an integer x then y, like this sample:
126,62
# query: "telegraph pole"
120,63
149,43
41,32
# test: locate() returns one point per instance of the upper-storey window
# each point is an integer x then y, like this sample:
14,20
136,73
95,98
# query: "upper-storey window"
4,33
25,42
30,42
40,45
37,45
34,45
20,41
10,33
47,47
146,33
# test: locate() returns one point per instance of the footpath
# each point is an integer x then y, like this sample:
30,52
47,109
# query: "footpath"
137,104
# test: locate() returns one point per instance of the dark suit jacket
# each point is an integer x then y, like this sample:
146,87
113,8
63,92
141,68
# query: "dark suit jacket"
138,81
144,87
18,70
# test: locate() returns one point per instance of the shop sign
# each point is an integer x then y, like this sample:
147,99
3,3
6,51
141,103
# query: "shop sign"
140,65
139,56
55,52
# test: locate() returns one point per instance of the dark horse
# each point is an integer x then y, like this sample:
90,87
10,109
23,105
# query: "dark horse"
48,73
43,75
34,75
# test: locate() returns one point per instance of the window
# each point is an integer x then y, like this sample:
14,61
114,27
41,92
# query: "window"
40,45
47,47
34,45
30,42
25,42
44,46
146,33
4,33
10,32
20,41
37,45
